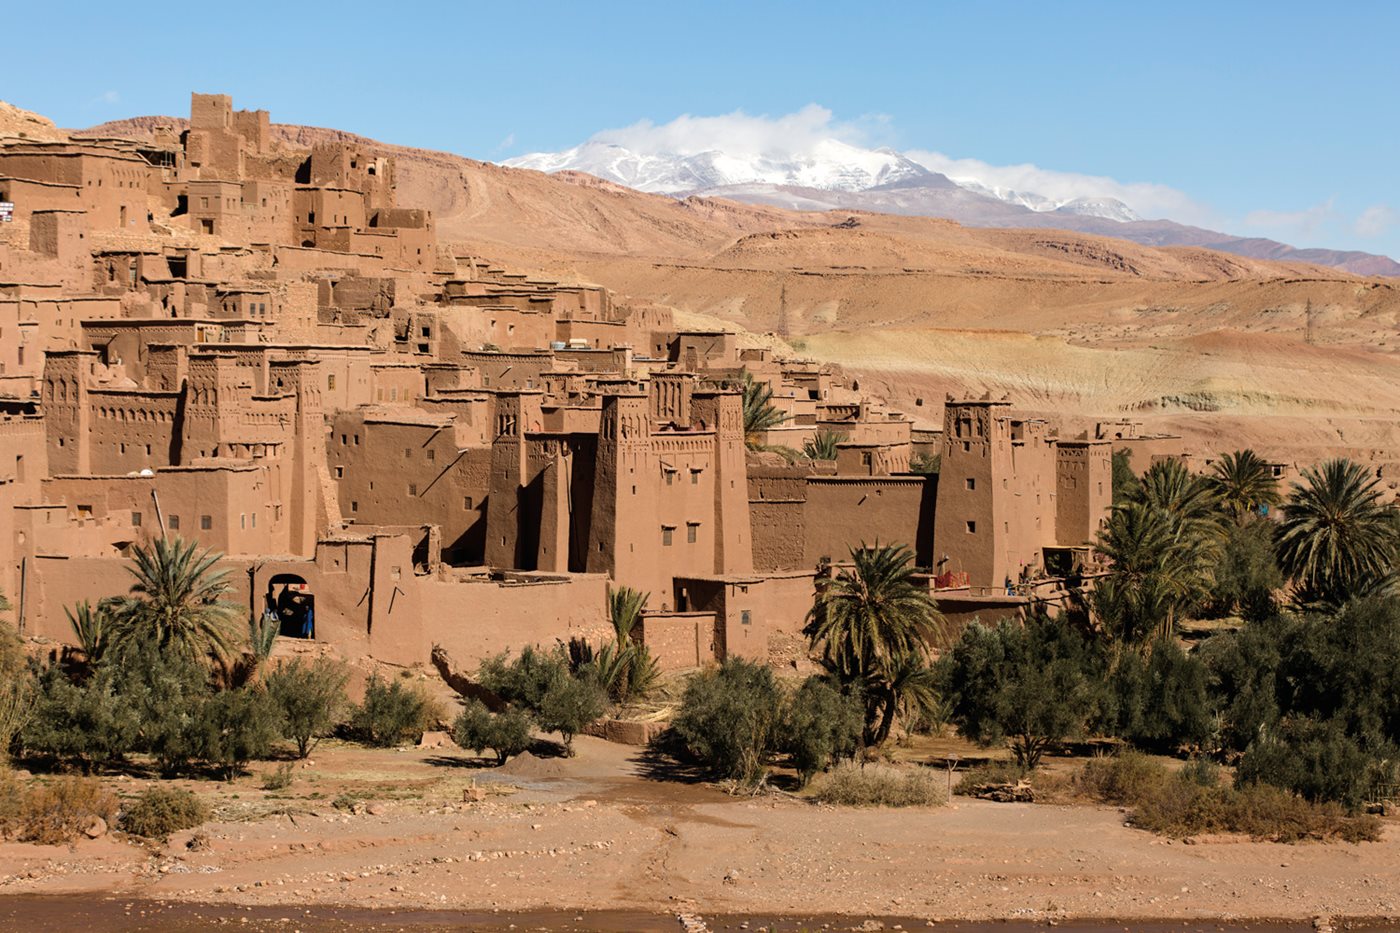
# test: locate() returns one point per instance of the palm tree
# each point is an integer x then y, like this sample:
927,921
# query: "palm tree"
1161,564
90,627
873,624
759,412
1170,487
821,446
626,668
177,600
1337,539
1243,483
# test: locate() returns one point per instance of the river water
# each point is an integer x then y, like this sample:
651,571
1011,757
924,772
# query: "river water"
101,914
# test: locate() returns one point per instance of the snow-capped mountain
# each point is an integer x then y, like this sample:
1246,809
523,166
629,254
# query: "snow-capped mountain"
798,171
827,165
830,165
1106,208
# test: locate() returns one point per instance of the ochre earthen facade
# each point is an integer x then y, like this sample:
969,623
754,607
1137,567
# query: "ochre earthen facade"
254,346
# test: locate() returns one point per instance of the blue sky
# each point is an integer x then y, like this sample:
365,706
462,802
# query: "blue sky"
1270,119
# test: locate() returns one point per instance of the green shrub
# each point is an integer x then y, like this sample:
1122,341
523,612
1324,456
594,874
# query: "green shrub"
820,725
88,725
165,693
311,697
1315,759
1030,685
728,718
160,811
57,812
279,778
525,680
393,713
1247,576
233,727
875,785
505,733
1159,699
568,705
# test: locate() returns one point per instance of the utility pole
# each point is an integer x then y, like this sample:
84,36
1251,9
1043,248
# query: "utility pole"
1310,333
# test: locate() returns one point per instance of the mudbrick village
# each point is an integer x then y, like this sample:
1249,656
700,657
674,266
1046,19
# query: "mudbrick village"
320,524
254,346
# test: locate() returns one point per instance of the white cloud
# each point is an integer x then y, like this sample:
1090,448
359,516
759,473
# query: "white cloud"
506,143
108,97
1375,220
1306,221
1145,198
738,134
746,136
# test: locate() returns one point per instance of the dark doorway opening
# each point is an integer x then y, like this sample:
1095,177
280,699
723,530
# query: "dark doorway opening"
291,602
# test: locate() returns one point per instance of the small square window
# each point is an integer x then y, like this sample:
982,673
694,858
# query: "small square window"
354,506
340,472
745,617
691,530
467,503
135,519
174,523
970,483
972,528
666,534
432,455
413,489
206,522
694,477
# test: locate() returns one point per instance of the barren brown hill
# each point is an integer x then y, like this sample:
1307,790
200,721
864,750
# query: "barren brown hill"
16,123
1296,359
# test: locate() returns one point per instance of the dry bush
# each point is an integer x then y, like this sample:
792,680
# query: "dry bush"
1184,808
161,811
57,813
1192,801
12,796
993,772
874,785
1123,779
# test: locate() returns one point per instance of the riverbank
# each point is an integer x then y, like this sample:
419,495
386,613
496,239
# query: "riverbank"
427,828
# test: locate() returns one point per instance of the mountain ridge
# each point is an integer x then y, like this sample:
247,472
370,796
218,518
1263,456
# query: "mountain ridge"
839,176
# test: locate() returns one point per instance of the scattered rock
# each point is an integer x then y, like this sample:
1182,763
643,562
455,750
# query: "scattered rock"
95,828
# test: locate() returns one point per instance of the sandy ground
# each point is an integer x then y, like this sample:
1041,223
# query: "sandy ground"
596,833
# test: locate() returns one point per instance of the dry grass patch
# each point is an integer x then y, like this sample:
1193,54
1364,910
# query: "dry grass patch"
54,813
876,785
160,811
1193,801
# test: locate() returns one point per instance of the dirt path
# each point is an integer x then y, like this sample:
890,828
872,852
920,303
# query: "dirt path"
593,834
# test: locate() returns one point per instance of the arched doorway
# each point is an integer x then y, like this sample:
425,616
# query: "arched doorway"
290,600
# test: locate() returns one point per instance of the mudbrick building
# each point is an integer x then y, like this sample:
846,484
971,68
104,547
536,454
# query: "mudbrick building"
253,345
